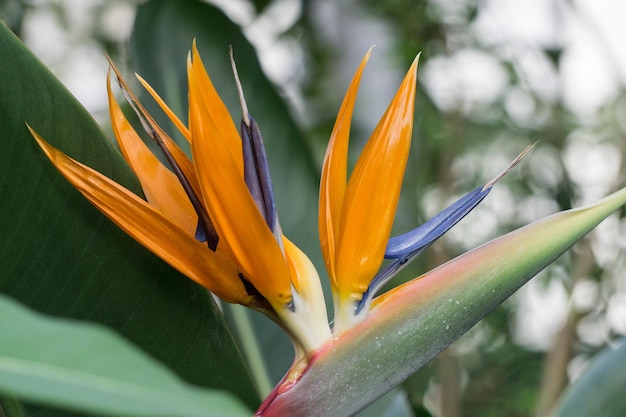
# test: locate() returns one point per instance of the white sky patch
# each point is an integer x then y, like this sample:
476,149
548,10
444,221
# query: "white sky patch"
538,74
616,313
92,64
117,20
587,79
45,37
467,78
591,165
577,366
609,246
80,14
351,33
593,330
541,312
282,59
522,108
514,23
604,19
535,207
592,32
585,295
239,11
545,167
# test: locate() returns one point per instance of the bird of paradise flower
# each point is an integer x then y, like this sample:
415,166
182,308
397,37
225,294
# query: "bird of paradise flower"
213,217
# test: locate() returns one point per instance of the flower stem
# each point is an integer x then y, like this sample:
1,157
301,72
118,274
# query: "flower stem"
10,407
251,349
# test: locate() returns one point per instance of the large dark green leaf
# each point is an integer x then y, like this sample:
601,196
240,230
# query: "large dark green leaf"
60,256
87,367
162,37
600,391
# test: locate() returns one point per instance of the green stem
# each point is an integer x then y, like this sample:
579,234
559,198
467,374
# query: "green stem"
251,349
10,407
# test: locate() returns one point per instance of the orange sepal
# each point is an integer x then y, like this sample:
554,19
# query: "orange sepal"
214,107
150,228
166,109
334,175
160,185
179,156
372,194
241,227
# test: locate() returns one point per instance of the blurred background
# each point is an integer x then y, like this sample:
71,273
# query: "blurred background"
494,76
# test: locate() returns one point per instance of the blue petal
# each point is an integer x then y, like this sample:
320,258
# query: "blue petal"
406,247
256,171
424,235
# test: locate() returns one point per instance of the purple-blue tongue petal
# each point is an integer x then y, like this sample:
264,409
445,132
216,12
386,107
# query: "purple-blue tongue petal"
406,245
410,242
404,248
256,171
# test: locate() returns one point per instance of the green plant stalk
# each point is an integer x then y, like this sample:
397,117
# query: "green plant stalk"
251,349
411,324
11,407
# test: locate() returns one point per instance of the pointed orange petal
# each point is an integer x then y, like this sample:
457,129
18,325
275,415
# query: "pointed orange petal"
240,225
150,228
334,175
166,109
299,265
372,193
161,187
214,107
179,156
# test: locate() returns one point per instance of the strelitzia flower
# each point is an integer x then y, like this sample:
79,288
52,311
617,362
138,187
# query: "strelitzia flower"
213,217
